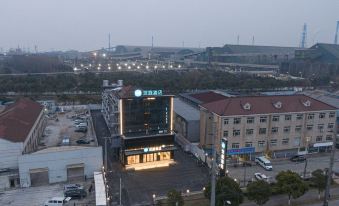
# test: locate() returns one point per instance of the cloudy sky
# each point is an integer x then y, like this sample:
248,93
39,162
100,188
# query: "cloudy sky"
85,24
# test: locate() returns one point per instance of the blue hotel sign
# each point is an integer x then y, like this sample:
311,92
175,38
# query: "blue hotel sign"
244,150
139,93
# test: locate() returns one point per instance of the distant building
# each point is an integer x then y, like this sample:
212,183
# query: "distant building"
317,61
249,54
264,124
143,120
21,125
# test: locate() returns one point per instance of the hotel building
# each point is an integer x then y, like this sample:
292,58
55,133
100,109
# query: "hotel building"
143,121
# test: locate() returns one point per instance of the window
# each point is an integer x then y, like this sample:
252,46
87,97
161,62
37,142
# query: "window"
328,137
236,132
331,115
285,141
236,120
261,143
250,120
321,127
322,115
263,119
309,126
262,130
298,128
248,144
225,133
287,129
297,141
275,118
310,116
299,116
235,145
226,121
249,131
319,138
274,142
330,126
274,129
288,117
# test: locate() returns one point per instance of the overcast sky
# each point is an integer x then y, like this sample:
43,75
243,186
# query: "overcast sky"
85,24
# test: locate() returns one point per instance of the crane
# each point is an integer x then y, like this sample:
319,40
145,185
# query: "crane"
336,34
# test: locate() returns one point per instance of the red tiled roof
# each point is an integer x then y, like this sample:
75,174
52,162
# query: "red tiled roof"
265,105
209,96
17,120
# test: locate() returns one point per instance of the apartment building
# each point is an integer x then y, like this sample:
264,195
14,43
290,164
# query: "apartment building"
267,123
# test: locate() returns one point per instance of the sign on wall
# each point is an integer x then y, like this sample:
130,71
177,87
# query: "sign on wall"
139,93
244,150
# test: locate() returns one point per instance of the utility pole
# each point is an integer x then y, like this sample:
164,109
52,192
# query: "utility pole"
245,175
329,172
106,154
305,168
120,193
214,156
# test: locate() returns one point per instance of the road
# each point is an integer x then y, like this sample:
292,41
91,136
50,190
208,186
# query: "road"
316,161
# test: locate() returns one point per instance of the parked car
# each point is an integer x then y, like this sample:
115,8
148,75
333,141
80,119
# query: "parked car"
247,164
82,141
81,129
72,187
298,158
57,201
260,176
76,193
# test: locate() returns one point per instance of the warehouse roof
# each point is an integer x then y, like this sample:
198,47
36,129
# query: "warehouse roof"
237,49
265,105
17,120
185,111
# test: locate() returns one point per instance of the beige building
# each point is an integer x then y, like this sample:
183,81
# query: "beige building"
267,123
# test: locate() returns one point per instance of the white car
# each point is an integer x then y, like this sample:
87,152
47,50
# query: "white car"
57,201
260,176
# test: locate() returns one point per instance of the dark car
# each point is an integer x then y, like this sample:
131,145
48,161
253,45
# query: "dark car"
82,141
298,158
81,129
76,193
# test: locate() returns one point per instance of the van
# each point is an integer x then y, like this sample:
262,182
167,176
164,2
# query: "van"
58,201
264,162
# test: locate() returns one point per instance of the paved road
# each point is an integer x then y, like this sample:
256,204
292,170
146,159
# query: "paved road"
317,161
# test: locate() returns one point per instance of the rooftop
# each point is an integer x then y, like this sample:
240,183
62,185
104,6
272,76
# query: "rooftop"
186,111
203,97
266,105
17,119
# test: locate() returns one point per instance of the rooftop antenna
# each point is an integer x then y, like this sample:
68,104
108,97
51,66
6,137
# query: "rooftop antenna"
109,41
303,36
238,37
253,40
336,34
152,42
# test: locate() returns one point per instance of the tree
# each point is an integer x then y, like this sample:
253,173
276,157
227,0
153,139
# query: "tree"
319,180
174,198
291,184
259,192
226,190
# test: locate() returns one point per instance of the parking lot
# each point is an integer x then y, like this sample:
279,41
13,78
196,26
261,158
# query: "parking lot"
62,126
37,196
138,187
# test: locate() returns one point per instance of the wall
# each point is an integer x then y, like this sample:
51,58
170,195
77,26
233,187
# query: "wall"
57,161
9,153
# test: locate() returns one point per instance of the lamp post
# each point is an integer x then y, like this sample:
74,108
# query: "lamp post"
329,173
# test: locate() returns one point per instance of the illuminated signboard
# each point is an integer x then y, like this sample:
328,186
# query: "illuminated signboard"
244,150
139,93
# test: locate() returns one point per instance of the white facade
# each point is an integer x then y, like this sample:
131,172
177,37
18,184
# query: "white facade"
9,154
57,159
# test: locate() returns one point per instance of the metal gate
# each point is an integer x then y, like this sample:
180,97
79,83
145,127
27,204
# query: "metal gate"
39,176
75,172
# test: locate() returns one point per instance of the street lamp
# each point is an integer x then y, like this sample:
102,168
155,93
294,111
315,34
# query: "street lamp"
187,191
